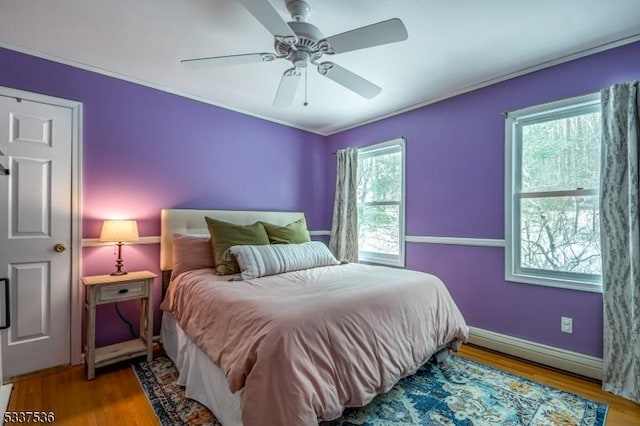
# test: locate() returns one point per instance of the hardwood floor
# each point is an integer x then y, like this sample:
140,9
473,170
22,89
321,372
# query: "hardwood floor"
115,396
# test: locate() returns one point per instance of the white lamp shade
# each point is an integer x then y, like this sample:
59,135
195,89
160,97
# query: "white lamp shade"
119,231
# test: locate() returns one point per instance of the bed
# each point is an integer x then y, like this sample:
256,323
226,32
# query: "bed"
300,346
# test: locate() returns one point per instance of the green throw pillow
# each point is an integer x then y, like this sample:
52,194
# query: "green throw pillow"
225,235
293,233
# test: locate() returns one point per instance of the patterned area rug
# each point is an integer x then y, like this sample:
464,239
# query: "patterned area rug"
459,392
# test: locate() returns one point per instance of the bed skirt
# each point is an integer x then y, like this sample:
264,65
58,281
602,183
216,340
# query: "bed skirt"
204,381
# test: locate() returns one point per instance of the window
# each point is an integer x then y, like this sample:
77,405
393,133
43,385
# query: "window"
381,203
551,201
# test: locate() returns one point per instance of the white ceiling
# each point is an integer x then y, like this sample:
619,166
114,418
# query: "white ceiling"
452,46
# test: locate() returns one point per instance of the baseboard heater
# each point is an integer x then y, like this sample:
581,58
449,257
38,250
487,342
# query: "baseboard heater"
562,359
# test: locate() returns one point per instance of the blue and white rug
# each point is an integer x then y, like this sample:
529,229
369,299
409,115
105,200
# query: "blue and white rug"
458,392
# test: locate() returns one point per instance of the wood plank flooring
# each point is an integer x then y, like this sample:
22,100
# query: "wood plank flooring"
115,396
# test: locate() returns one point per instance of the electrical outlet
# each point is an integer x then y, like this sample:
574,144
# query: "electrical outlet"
566,325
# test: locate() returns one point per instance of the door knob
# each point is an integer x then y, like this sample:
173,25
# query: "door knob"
60,248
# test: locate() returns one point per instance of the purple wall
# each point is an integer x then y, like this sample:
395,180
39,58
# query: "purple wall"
144,150
455,188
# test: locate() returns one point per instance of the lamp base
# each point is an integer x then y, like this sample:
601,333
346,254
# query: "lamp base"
119,264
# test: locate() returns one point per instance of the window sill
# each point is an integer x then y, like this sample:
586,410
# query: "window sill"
591,287
373,260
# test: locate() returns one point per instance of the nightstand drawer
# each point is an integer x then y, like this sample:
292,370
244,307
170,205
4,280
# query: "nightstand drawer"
128,290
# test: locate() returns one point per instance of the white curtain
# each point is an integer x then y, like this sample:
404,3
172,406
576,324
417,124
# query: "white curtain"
344,227
620,234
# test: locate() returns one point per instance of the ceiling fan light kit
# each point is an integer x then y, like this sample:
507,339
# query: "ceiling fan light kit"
303,43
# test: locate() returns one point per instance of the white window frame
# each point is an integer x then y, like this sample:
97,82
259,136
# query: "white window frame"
388,147
513,159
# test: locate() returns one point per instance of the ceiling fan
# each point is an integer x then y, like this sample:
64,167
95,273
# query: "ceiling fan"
303,44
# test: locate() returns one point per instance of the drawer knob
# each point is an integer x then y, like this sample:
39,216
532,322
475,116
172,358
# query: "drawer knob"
123,291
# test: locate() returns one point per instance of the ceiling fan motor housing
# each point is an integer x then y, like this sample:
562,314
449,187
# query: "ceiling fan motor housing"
307,35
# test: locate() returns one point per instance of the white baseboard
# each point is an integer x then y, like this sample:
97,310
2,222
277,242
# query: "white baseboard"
574,362
5,393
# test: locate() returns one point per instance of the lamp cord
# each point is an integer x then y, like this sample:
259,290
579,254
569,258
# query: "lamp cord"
125,320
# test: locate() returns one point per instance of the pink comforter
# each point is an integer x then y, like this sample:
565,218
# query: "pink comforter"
305,344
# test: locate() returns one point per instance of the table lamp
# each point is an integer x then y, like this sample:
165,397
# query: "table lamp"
119,231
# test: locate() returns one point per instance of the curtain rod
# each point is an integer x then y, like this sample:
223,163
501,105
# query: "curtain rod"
399,137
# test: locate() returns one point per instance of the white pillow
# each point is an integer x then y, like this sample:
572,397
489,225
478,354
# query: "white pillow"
263,260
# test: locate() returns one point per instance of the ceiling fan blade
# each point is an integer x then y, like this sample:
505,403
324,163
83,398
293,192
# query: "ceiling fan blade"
287,88
351,81
268,17
217,61
383,32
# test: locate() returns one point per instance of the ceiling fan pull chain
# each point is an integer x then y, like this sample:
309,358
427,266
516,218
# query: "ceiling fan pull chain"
306,84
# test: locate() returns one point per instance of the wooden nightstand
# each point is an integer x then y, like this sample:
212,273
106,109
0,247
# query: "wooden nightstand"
100,289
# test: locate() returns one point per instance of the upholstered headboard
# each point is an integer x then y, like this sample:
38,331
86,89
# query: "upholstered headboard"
191,222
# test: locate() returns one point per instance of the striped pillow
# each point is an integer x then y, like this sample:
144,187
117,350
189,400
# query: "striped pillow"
262,260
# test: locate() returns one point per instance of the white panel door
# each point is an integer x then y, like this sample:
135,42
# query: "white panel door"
35,233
